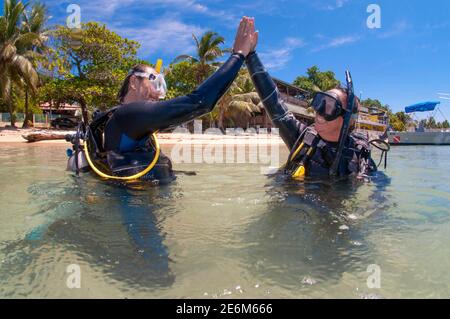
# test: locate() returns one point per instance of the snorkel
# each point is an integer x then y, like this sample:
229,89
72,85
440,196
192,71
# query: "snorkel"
160,83
346,124
157,80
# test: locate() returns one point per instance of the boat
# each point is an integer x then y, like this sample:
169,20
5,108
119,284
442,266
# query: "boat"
420,136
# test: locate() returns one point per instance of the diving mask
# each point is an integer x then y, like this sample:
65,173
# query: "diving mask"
328,105
157,80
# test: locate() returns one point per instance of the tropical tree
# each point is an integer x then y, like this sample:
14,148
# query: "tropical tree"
208,50
34,22
15,68
316,80
239,103
95,62
180,78
374,103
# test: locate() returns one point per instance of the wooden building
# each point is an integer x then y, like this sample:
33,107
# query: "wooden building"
294,98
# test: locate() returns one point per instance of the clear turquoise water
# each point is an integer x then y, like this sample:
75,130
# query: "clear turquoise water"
228,232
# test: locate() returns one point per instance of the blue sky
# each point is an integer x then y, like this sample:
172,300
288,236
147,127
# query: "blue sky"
404,62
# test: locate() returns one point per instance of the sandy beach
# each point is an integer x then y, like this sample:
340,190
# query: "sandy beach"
8,135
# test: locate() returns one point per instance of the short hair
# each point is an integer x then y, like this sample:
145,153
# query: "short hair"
343,89
126,83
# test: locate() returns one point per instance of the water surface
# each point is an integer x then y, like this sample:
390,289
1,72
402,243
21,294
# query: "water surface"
228,232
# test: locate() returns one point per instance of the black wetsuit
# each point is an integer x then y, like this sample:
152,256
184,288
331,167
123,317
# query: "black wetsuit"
126,135
356,154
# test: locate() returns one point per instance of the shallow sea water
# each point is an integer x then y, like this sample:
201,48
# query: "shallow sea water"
228,232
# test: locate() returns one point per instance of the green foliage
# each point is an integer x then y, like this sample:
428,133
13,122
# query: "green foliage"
180,78
99,58
369,103
16,44
316,80
396,123
208,50
239,103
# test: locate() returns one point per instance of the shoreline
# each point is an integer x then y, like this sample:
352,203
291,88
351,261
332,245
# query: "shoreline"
14,136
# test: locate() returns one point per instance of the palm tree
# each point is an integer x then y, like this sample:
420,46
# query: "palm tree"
14,65
34,22
240,102
207,52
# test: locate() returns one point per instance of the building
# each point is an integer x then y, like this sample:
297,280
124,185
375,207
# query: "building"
372,119
63,109
295,99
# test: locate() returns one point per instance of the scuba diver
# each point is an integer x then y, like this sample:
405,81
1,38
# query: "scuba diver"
121,144
329,146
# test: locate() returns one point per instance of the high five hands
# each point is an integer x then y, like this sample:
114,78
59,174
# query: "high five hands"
246,37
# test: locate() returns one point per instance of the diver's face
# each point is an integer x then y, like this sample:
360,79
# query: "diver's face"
144,90
330,130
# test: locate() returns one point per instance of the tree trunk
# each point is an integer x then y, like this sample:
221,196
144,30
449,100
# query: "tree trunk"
11,113
220,119
84,112
28,116
43,136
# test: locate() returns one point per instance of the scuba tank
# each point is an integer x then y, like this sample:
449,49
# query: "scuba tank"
77,159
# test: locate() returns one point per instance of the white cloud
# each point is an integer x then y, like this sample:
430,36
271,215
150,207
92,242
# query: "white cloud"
163,36
398,29
328,5
337,42
294,42
113,9
278,59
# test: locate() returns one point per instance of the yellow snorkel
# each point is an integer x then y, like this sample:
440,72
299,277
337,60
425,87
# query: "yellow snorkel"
158,65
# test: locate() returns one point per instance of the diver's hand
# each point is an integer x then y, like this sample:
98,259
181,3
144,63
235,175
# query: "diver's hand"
245,36
254,42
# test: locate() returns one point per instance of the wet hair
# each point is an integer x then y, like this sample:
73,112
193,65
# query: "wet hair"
126,83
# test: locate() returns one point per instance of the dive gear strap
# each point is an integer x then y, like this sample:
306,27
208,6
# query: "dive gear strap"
91,146
301,154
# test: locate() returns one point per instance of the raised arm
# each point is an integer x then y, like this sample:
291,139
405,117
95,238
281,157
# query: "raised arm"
290,128
137,120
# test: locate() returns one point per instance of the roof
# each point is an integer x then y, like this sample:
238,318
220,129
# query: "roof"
290,86
422,107
62,106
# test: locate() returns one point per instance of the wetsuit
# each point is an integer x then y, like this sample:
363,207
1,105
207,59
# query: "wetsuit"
356,157
126,141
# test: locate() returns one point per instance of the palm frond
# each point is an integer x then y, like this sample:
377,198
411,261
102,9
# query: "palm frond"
184,57
26,40
25,69
196,41
7,52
